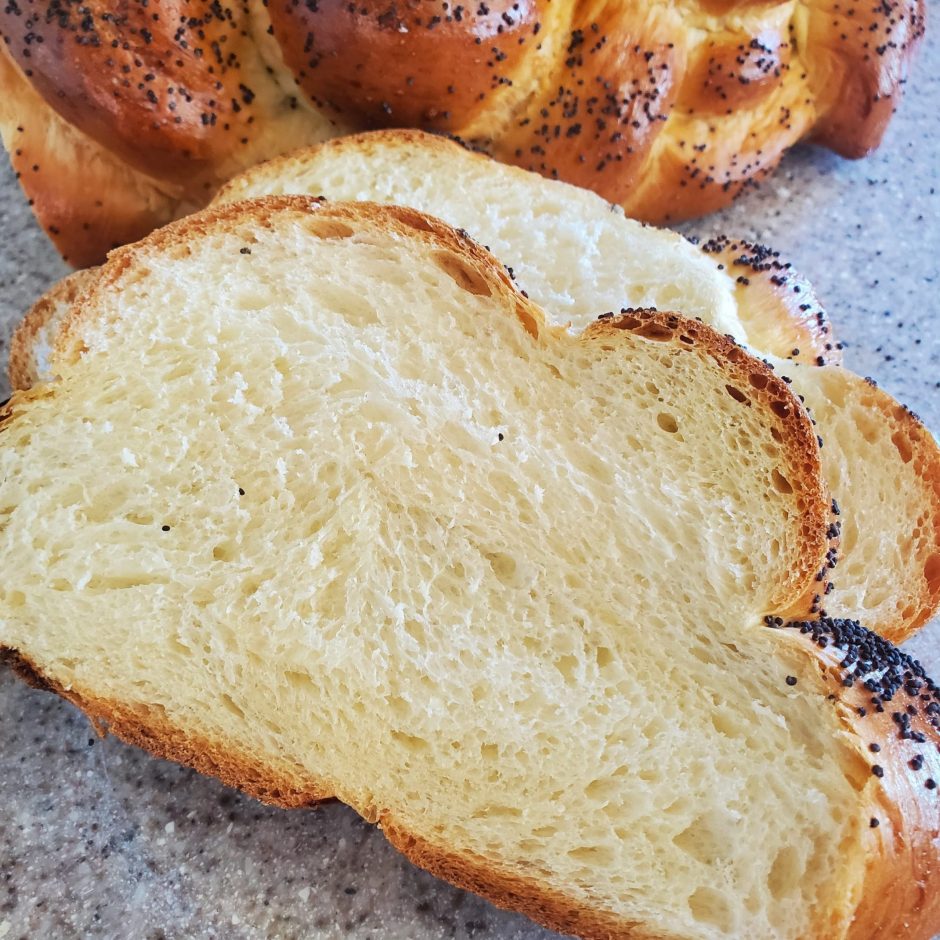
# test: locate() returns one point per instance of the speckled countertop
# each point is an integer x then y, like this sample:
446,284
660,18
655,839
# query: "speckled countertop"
98,840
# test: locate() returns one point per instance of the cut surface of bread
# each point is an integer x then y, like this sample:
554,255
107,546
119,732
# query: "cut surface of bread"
32,342
578,257
358,522
575,254
882,466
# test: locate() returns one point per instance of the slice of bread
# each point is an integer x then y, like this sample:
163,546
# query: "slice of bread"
577,256
356,521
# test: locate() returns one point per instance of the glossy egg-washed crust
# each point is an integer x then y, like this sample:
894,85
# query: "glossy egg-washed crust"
888,710
667,109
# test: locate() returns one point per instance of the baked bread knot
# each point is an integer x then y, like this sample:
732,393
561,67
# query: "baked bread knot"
669,110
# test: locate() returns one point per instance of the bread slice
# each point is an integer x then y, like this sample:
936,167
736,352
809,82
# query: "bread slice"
357,521
882,465
577,256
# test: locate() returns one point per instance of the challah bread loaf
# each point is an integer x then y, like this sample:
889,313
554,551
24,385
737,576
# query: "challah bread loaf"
358,522
668,110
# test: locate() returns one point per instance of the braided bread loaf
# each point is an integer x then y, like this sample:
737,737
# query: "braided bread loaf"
117,120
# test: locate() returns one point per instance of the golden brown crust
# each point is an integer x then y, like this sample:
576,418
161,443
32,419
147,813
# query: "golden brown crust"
670,110
412,63
598,114
164,91
891,712
859,56
512,892
24,344
777,306
85,197
147,728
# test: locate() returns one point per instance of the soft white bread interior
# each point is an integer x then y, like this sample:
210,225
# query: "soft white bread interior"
357,522
578,257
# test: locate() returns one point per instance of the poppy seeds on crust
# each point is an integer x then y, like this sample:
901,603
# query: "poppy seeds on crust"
894,681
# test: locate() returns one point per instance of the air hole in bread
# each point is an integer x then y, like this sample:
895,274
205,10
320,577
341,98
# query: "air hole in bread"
701,841
397,706
654,331
781,483
568,667
758,380
601,855
737,394
247,300
410,742
504,567
462,274
780,408
496,811
785,873
228,703
329,228
903,444
410,218
667,422
224,551
709,906
299,680
528,321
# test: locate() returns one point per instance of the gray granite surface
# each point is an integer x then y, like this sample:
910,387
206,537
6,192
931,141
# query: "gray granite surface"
98,840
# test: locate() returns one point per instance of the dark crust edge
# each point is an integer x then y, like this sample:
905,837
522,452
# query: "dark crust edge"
144,728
